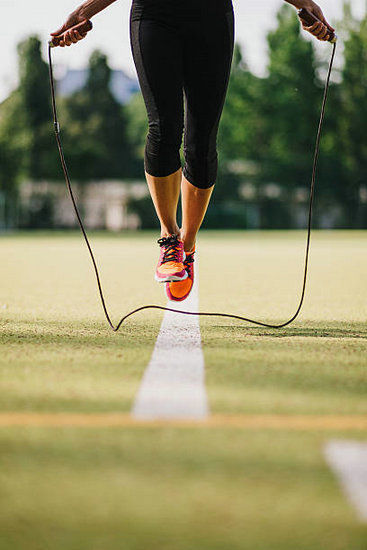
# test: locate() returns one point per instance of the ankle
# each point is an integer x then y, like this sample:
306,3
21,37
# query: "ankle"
189,244
172,230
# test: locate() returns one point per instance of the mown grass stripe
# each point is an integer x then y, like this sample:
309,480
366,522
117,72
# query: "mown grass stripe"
123,420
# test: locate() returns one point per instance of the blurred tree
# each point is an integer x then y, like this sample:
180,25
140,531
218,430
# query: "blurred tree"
33,115
95,127
238,142
136,130
25,121
26,147
240,132
269,124
8,189
267,131
352,120
241,124
290,105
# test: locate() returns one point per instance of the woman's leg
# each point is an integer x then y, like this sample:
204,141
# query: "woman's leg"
158,56
208,57
165,192
207,62
195,202
157,52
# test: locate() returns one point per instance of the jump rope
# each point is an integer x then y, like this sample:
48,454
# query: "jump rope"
85,26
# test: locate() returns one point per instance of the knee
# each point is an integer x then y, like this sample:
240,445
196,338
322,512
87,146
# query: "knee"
201,165
162,150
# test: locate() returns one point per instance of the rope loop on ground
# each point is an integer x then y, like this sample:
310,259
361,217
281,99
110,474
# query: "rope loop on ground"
116,327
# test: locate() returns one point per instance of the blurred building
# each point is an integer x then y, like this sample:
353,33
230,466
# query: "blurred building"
103,204
122,86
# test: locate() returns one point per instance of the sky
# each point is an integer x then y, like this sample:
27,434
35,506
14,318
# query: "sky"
254,18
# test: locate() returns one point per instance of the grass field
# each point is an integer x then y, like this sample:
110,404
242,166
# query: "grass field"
180,487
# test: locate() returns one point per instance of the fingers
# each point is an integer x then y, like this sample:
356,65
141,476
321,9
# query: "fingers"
70,37
318,29
324,35
76,36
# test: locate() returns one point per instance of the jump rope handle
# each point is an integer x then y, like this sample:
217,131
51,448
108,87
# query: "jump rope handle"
84,26
308,18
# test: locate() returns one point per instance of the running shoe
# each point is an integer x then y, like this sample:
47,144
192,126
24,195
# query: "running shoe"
179,291
170,265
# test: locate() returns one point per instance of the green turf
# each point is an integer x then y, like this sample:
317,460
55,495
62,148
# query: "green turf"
58,353
169,488
317,365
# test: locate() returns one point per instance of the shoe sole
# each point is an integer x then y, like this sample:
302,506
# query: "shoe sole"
171,278
173,299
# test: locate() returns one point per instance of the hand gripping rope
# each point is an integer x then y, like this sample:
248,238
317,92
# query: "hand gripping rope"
309,18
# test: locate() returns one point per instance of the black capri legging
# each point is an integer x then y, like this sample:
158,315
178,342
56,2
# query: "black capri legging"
183,50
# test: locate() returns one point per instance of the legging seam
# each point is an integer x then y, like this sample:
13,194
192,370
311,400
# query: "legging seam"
215,126
161,155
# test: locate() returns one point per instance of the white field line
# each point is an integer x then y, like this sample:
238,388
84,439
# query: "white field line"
348,459
173,385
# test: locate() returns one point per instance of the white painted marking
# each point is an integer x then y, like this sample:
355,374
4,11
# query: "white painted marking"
173,385
348,459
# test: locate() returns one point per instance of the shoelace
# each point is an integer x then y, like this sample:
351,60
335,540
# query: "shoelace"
172,248
189,260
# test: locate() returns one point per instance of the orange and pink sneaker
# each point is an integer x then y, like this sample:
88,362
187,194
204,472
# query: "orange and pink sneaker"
171,260
179,291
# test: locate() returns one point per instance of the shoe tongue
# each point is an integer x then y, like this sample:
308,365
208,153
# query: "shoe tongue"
164,241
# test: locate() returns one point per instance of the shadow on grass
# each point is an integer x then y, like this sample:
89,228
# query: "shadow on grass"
141,333
78,334
317,330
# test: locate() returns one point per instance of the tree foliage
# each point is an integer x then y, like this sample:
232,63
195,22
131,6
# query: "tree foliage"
266,137
95,127
352,119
